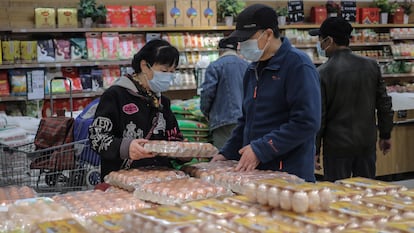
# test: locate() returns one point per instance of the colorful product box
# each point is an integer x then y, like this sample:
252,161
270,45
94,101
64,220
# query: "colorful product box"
118,16
94,45
369,15
45,51
4,84
28,51
11,51
174,13
192,14
398,16
110,42
318,14
143,16
45,17
67,17
126,46
62,49
208,11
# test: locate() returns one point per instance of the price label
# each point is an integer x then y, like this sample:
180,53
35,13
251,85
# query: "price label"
348,10
296,13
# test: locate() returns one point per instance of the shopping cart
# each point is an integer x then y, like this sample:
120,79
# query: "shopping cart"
51,177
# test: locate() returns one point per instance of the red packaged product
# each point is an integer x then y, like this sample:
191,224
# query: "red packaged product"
73,74
126,46
139,41
94,46
110,41
4,84
62,50
143,16
118,16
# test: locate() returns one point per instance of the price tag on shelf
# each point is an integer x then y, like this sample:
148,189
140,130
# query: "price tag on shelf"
348,10
295,9
35,85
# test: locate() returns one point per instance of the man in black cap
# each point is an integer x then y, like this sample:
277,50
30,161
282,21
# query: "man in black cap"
281,104
353,97
222,92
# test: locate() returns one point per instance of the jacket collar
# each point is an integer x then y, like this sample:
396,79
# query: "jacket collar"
126,83
229,52
278,57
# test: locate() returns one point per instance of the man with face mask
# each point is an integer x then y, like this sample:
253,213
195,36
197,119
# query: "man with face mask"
354,97
281,105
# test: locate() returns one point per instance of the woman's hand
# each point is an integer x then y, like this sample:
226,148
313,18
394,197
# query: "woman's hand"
137,151
218,157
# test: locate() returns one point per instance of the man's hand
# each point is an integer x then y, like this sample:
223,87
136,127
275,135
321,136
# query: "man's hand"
384,145
137,151
317,162
218,157
248,160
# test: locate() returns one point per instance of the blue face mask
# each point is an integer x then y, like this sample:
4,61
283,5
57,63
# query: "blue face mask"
160,81
321,52
249,49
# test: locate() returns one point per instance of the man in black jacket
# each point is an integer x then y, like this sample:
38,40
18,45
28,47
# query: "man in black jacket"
354,103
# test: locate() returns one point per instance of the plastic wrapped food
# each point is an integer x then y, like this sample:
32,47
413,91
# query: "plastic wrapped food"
343,193
359,215
396,206
91,203
179,191
243,202
65,225
109,223
9,194
259,224
130,179
207,170
371,187
286,194
236,181
181,149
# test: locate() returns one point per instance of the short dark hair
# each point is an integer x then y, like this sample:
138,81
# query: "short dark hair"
156,51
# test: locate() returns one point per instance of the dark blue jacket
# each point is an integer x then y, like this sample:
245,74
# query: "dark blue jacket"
222,90
282,120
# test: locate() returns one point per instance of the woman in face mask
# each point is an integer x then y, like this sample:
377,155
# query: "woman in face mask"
133,111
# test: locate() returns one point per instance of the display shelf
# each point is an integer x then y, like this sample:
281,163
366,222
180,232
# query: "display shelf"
65,64
354,44
411,37
401,75
12,98
403,57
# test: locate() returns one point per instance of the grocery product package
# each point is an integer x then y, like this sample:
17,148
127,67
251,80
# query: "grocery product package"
45,51
78,49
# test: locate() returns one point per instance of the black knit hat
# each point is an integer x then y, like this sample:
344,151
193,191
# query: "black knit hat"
253,18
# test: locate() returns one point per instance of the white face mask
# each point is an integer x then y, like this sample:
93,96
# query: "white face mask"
160,81
249,49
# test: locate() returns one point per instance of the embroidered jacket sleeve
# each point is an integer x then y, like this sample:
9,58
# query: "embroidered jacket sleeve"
172,131
102,130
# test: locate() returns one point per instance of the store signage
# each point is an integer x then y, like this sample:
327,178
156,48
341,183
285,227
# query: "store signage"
296,13
349,10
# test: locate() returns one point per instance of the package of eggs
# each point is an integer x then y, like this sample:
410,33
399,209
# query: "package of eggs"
241,201
181,149
108,223
260,224
343,193
84,204
359,215
207,170
399,207
371,187
9,194
179,191
130,179
237,180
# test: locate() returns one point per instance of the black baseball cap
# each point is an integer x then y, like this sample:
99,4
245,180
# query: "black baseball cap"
252,19
336,27
227,43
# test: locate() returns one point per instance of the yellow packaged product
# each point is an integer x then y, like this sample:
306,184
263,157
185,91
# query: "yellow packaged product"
110,223
67,17
341,192
320,221
400,206
401,226
28,51
59,226
11,51
359,214
261,224
372,187
45,17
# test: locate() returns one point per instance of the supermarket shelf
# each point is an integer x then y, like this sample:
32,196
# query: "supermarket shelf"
355,44
411,37
403,57
12,98
401,75
66,64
